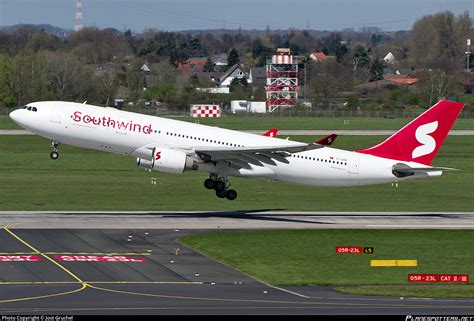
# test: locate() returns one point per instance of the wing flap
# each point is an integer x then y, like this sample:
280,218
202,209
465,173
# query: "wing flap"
252,155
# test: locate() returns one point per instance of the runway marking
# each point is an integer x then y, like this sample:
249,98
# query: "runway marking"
355,305
73,253
87,253
45,296
36,251
97,282
6,228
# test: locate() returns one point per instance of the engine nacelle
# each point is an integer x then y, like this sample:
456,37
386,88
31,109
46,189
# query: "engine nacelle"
168,160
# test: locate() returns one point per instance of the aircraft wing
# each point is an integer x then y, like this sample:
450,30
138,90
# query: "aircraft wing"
242,157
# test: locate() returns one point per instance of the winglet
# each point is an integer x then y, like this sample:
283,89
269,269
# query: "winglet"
328,140
271,133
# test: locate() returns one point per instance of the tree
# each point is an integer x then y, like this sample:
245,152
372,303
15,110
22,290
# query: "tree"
209,66
233,57
438,41
376,69
359,58
327,79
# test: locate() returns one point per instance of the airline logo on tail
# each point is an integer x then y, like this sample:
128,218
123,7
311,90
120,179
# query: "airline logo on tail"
421,139
428,143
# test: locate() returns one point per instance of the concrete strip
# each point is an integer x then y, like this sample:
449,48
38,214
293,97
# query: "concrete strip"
238,220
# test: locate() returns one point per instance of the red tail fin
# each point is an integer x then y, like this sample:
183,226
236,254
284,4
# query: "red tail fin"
420,140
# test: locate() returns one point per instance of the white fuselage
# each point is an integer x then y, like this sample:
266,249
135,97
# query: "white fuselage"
112,130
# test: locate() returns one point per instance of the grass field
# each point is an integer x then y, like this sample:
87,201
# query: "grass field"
308,257
316,123
89,180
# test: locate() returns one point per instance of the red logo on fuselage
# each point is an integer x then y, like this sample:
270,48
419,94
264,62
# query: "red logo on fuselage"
157,155
110,122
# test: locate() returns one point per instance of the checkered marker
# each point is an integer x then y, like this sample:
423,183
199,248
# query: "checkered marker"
205,111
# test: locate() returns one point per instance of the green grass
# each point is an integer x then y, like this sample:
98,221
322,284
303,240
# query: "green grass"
89,180
430,291
308,257
316,123
7,123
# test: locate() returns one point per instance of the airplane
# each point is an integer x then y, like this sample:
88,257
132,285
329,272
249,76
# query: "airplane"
174,146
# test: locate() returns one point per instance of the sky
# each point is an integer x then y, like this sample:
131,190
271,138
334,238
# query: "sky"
137,15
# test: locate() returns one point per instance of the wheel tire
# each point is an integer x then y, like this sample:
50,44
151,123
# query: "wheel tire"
54,155
219,186
209,183
221,193
231,195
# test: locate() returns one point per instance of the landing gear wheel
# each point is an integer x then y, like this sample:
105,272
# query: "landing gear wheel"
221,193
219,186
210,183
231,195
54,154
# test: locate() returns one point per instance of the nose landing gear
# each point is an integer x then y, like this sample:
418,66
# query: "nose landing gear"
54,154
221,186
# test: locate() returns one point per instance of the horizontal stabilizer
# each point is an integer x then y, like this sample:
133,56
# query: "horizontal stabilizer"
403,170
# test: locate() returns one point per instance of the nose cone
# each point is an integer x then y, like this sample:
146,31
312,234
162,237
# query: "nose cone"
14,116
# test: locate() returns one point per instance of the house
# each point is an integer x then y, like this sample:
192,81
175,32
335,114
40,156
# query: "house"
145,69
193,65
220,60
257,77
209,79
236,71
318,56
389,58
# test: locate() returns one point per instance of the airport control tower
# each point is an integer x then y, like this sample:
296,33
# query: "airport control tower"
282,80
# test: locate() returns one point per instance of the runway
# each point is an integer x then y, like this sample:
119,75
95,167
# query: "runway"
136,271
257,219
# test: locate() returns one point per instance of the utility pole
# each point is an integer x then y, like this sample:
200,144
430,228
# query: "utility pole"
468,55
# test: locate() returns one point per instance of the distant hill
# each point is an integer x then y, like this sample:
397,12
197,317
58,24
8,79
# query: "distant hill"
57,31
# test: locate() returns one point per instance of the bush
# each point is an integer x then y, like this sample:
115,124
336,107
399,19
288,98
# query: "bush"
9,101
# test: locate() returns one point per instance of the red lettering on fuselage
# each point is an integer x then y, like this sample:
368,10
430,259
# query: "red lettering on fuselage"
111,123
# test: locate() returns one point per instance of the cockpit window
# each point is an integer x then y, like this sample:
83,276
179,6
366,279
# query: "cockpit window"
30,108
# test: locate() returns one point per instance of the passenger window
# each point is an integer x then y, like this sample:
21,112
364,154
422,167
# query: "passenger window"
34,109
29,108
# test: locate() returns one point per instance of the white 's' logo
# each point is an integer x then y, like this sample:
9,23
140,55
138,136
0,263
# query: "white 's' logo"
423,137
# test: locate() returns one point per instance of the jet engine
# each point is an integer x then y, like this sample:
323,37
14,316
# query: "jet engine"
168,160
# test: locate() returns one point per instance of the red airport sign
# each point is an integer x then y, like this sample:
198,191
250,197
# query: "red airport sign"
442,278
349,249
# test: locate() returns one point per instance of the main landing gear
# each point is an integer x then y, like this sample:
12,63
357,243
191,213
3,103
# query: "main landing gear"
54,154
220,185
